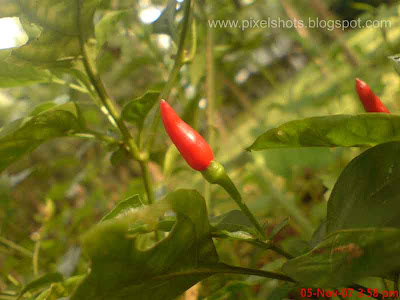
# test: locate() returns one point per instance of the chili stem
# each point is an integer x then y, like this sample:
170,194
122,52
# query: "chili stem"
231,189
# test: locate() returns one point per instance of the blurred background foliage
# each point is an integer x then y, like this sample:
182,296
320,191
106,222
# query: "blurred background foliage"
239,83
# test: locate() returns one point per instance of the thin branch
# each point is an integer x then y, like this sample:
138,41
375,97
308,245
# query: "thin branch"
210,86
16,247
103,95
70,85
179,62
35,258
281,251
141,157
267,245
225,269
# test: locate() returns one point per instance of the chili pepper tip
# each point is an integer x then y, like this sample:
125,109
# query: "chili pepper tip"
369,100
192,146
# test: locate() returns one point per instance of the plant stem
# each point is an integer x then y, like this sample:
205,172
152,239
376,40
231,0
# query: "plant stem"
268,245
106,100
92,134
35,259
179,62
210,80
71,85
281,251
148,183
262,273
221,268
231,189
216,174
98,85
16,247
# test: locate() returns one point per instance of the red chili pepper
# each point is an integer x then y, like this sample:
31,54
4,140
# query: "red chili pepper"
370,101
199,156
194,149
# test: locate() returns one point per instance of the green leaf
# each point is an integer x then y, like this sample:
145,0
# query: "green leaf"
32,30
24,135
295,246
332,131
135,111
119,270
123,207
318,235
278,228
346,256
233,221
63,25
12,75
56,291
119,156
235,235
42,108
42,281
367,193
106,25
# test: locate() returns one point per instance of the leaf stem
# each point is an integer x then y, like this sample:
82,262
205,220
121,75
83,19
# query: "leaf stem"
109,105
271,246
216,174
261,273
70,85
267,245
231,189
178,63
222,268
92,134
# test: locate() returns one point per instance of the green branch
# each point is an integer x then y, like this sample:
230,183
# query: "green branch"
111,108
16,247
216,174
179,62
222,268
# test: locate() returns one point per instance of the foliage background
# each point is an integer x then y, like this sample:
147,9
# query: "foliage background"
262,78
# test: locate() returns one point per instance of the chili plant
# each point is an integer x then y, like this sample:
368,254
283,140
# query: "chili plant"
160,246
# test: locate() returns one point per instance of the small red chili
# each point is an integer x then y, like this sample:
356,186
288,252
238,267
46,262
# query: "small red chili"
199,156
370,101
194,149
